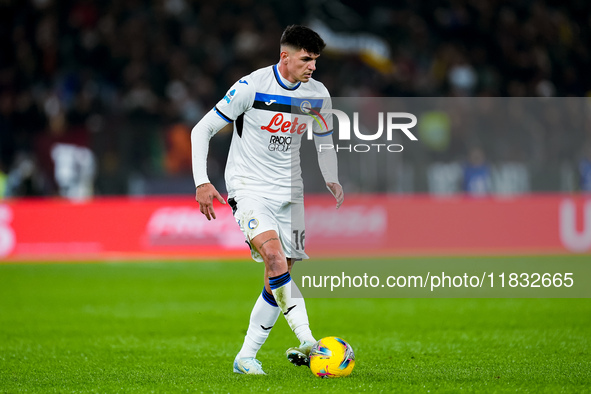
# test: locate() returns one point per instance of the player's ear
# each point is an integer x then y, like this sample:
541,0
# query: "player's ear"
284,55
286,52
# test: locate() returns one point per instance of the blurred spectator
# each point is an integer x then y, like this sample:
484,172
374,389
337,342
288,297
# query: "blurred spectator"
477,175
7,144
178,150
65,158
129,70
585,170
444,179
24,178
3,183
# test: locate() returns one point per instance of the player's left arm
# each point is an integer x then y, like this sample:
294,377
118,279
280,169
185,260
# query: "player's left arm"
327,160
327,156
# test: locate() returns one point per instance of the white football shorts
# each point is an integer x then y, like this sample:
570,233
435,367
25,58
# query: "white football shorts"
255,215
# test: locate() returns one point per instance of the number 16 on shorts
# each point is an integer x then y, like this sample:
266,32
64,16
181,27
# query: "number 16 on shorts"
298,238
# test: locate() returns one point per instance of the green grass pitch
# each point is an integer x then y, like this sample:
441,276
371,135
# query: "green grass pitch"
176,327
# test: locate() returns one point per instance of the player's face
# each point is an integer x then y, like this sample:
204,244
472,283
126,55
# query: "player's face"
299,64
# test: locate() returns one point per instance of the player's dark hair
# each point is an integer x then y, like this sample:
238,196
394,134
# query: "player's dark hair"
301,37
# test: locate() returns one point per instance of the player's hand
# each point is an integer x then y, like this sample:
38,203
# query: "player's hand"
204,195
337,192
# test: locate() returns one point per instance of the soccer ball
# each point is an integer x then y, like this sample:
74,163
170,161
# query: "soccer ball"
331,357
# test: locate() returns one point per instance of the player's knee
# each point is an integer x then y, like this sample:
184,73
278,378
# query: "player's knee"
276,258
276,262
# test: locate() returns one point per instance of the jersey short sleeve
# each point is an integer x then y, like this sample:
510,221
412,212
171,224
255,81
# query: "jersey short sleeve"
238,99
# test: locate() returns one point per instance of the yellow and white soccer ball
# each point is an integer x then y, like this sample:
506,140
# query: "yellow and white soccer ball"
332,357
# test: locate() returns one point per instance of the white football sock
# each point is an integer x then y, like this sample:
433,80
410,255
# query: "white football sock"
294,309
262,318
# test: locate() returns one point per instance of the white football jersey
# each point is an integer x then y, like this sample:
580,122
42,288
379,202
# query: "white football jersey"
271,116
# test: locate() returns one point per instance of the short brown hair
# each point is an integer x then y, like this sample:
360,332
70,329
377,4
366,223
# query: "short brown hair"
302,37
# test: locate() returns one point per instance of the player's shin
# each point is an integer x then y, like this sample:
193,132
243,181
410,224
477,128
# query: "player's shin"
293,308
262,318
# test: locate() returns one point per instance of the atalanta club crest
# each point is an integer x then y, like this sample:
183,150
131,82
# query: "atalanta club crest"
253,223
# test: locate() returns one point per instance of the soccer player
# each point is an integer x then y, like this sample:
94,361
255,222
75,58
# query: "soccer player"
271,109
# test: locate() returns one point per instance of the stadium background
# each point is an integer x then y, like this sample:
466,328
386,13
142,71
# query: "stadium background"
97,100
128,80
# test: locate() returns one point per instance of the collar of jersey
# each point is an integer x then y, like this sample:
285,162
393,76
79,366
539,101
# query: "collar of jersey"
279,79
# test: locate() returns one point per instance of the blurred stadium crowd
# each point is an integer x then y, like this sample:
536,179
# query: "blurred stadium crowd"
99,97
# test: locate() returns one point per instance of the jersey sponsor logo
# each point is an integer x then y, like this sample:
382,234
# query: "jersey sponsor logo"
277,124
229,96
279,143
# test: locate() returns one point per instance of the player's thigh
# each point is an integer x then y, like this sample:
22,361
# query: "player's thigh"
255,219
253,216
269,247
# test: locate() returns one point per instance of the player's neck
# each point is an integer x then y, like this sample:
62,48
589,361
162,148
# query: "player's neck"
283,74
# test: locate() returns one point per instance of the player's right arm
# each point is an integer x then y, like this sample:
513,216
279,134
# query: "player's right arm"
205,192
237,100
